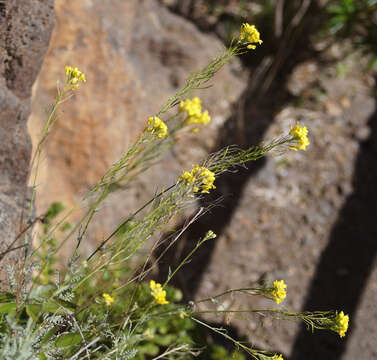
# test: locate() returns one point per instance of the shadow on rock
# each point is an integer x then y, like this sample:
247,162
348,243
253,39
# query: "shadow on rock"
265,96
347,261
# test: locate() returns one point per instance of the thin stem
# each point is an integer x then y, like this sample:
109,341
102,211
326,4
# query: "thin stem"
239,344
128,220
228,292
192,252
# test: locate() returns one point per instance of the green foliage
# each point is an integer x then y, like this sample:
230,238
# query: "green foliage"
51,325
346,14
356,20
48,243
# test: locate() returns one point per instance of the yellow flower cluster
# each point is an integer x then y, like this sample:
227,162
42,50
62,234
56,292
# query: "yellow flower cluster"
157,126
194,112
278,291
341,325
300,134
201,174
278,357
74,76
250,34
158,293
108,299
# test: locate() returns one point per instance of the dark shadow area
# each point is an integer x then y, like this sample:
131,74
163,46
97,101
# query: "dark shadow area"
265,95
346,262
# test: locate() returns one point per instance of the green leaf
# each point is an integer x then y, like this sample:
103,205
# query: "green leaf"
33,310
68,340
66,304
149,349
49,335
335,9
165,340
42,291
58,306
373,63
6,296
7,307
54,209
53,307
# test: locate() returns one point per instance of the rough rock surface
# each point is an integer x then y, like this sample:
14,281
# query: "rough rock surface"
135,54
309,218
25,29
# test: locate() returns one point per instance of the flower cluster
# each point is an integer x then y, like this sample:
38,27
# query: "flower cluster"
278,357
157,126
300,134
201,177
108,299
158,293
341,323
250,35
194,112
278,291
74,76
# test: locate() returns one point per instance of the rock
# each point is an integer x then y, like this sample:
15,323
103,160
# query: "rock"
332,108
303,76
135,54
25,29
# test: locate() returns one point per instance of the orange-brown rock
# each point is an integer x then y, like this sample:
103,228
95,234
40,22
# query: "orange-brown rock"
135,54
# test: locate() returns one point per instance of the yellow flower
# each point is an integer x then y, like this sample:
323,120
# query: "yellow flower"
157,126
278,291
341,325
300,134
108,299
204,178
278,357
205,119
249,34
158,293
187,177
193,109
74,76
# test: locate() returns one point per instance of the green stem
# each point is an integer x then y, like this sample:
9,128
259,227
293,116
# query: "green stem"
228,292
247,349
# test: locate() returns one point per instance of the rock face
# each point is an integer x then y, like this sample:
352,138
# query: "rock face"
25,29
135,54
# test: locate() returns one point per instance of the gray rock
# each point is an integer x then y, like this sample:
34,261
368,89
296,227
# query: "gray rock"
25,29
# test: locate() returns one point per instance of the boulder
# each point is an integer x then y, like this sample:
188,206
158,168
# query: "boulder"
135,54
25,29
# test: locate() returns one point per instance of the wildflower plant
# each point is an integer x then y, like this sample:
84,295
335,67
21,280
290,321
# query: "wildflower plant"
200,178
250,36
193,110
157,126
74,77
108,299
101,306
157,292
278,291
300,135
